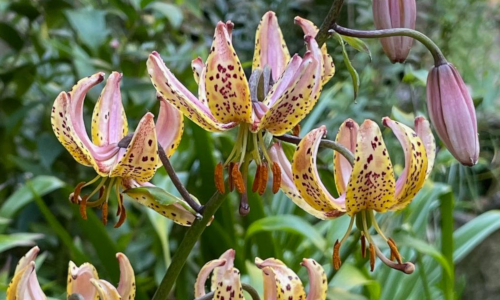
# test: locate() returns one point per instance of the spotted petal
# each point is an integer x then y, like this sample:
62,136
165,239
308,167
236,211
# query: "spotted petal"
199,70
270,47
287,186
413,176
79,281
169,127
423,130
105,290
347,137
199,286
372,183
140,158
226,282
109,123
173,91
318,284
227,89
306,176
25,284
279,281
292,105
126,286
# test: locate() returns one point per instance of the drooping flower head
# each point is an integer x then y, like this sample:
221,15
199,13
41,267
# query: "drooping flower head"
281,91
83,282
367,186
116,167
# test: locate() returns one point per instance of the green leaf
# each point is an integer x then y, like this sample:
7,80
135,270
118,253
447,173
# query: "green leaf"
350,68
8,241
349,277
11,36
357,44
288,223
170,11
90,24
470,235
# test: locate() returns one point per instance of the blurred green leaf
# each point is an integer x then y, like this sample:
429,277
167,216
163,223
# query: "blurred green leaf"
8,241
172,12
348,277
90,24
350,68
10,35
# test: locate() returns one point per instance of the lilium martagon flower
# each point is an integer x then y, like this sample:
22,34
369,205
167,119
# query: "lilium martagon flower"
370,186
126,170
83,282
280,92
280,282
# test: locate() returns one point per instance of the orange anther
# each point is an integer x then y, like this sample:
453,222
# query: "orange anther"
336,255
276,177
372,257
76,194
105,212
238,179
363,246
394,251
296,130
263,178
83,207
123,216
256,180
230,178
219,178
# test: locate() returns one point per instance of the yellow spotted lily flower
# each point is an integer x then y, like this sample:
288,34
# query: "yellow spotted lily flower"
280,282
368,186
117,168
281,91
83,282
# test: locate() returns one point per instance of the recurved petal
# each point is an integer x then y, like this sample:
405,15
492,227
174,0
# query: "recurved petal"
27,259
169,126
226,86
270,47
197,66
413,176
173,91
199,285
219,272
279,281
318,284
288,187
79,281
140,159
199,71
372,183
306,177
109,123
25,285
126,286
347,137
423,130
294,104
105,290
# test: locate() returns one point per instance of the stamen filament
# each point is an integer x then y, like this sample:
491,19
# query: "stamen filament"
236,147
348,232
260,139
92,181
103,181
245,141
375,225
255,151
105,195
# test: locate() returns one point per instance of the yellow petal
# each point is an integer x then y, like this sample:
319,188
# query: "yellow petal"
199,286
270,47
227,89
423,130
140,159
105,290
173,91
413,176
318,284
306,176
372,183
279,281
347,137
79,280
199,71
109,123
25,285
126,286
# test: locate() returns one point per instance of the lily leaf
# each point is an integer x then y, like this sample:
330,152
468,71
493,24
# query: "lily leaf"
350,68
358,44
8,241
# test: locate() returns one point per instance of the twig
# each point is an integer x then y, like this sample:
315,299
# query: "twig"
248,288
329,21
324,143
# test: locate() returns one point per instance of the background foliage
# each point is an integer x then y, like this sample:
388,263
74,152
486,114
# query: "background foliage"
46,46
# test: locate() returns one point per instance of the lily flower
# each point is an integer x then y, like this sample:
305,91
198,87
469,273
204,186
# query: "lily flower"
368,186
117,168
83,282
280,282
281,91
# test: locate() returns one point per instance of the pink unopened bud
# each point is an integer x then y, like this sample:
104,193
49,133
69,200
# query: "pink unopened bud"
452,113
389,14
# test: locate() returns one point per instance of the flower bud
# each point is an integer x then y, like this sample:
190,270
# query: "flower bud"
452,112
389,14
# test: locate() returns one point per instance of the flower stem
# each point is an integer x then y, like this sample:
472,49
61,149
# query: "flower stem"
248,288
324,143
187,244
438,56
447,245
329,21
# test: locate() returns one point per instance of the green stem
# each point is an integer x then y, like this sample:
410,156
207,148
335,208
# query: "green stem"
187,244
329,21
423,276
438,56
447,246
248,288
